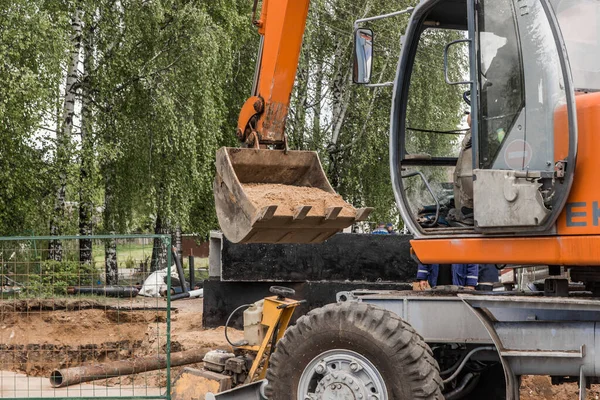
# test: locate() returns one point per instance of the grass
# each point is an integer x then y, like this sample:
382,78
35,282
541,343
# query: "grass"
199,263
129,255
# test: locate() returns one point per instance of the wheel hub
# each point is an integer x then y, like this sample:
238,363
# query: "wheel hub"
341,375
339,391
341,386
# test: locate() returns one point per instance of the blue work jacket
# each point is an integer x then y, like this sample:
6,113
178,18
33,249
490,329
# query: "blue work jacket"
380,231
462,274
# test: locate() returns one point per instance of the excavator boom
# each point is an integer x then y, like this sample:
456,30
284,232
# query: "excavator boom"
281,26
265,193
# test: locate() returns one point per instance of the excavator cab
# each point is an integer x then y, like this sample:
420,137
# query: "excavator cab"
505,63
522,139
264,192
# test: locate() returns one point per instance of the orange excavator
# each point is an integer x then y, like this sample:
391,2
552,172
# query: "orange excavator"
264,192
529,198
528,208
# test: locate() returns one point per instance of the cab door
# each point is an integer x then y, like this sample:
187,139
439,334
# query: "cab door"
525,117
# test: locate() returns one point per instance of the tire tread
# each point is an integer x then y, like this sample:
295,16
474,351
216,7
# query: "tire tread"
408,347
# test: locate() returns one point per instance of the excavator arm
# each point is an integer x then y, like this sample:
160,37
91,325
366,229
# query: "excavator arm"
281,26
265,193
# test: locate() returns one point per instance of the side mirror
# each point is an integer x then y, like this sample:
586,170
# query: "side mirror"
363,55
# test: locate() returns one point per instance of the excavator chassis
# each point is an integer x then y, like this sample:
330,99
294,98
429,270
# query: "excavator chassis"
527,334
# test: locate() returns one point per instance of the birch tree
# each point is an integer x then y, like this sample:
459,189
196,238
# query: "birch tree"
63,137
32,48
86,157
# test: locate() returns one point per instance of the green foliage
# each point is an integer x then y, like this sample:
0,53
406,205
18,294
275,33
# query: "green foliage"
349,124
169,93
32,46
55,277
164,82
130,263
164,88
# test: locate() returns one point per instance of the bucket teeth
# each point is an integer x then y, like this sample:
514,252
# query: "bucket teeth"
332,213
363,213
301,212
266,213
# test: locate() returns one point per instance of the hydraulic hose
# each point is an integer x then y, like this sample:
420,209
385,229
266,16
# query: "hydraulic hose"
467,384
229,319
464,362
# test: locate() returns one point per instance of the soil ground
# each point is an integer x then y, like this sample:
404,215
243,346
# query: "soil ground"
540,388
39,336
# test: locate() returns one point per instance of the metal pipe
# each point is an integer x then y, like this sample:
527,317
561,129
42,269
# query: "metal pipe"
464,361
179,270
108,291
72,376
459,392
192,272
376,85
191,293
377,17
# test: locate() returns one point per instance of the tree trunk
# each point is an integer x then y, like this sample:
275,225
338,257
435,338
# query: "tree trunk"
86,206
301,103
159,250
316,126
177,241
340,85
341,102
111,267
341,98
63,140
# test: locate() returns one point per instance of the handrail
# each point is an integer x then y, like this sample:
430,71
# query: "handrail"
437,202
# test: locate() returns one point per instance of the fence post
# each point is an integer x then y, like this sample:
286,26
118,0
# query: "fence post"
192,272
167,244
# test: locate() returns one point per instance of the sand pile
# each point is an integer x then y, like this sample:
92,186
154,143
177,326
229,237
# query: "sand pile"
288,198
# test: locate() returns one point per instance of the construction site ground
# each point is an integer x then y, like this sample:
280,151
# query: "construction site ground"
187,333
95,327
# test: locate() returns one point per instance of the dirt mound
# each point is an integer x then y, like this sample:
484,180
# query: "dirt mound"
33,305
541,388
186,329
37,337
288,198
75,327
41,359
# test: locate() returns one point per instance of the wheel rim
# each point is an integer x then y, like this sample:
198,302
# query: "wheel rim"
341,374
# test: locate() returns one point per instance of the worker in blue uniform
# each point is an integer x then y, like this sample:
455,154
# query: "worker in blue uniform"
431,275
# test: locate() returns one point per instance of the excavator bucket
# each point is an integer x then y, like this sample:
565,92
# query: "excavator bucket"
269,196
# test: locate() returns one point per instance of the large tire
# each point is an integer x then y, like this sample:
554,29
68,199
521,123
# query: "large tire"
398,354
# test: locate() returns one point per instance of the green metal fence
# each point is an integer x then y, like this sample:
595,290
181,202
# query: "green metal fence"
68,302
